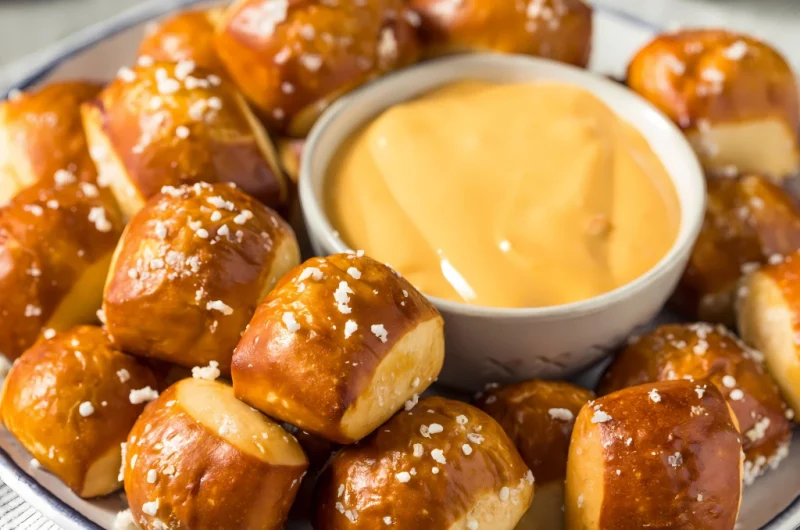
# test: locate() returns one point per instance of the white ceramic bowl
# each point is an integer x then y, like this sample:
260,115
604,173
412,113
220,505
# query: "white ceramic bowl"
491,344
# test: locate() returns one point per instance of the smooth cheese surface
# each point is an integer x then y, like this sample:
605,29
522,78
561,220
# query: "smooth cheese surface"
515,195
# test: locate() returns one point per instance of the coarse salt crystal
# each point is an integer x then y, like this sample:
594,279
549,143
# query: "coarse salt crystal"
561,414
150,508
97,215
209,373
349,328
219,305
438,455
379,331
675,460
600,417
290,322
86,409
142,395
243,217
63,177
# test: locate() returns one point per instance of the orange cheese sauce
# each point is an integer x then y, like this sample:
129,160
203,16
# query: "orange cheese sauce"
515,195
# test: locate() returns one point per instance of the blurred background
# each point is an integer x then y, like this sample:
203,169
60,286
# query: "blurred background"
29,25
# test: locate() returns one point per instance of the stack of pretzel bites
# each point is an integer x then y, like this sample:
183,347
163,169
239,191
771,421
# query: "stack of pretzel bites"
166,337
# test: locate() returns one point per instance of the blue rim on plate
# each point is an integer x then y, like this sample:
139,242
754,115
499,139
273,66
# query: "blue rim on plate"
10,473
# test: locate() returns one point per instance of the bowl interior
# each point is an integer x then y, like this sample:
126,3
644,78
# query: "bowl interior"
351,112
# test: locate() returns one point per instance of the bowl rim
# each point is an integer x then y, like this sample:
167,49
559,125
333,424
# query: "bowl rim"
320,228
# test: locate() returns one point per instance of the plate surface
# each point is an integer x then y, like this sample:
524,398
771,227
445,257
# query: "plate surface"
97,53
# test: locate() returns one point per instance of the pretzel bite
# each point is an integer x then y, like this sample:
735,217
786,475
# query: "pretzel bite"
189,271
700,351
56,242
768,318
734,96
67,401
293,58
338,346
199,458
748,221
290,151
663,455
185,36
443,464
41,134
173,123
555,29
538,417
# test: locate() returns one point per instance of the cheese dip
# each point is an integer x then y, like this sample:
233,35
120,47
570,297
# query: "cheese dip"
512,195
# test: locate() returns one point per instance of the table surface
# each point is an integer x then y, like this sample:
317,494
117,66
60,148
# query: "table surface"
27,26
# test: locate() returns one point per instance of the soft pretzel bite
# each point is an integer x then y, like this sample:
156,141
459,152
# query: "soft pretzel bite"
735,97
748,221
769,320
443,464
700,351
172,124
56,242
555,29
67,401
199,458
538,417
189,271
290,151
185,36
662,455
41,134
338,346
292,59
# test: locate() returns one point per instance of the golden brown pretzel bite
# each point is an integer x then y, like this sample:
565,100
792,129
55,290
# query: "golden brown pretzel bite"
734,96
185,36
555,29
293,58
290,152
769,319
662,455
442,465
56,242
748,221
41,134
174,123
189,271
67,401
701,351
338,346
199,458
538,416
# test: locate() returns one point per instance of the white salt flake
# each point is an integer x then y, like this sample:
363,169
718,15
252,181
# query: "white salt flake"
561,414
142,395
379,331
86,409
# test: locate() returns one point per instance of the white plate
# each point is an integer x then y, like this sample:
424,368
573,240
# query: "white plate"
97,53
